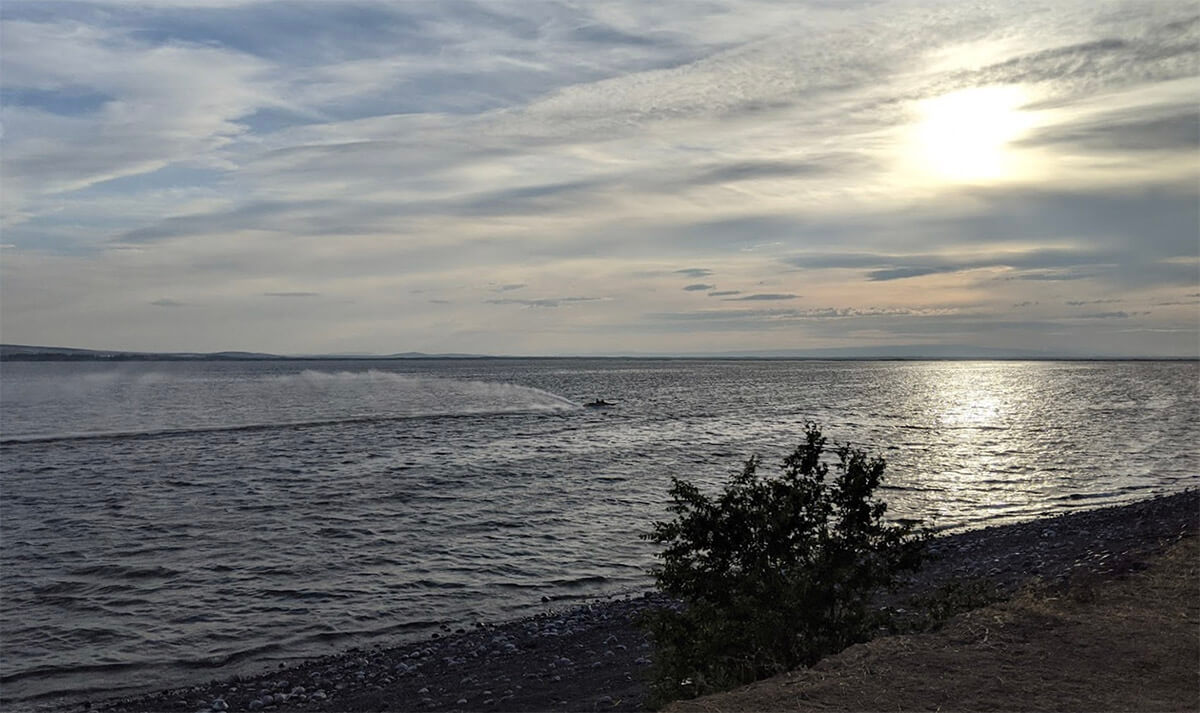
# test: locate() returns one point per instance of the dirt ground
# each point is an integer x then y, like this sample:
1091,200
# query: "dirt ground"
1125,644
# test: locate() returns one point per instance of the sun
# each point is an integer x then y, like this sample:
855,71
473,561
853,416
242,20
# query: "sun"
966,136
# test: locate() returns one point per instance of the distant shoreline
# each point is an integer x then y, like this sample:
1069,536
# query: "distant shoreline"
138,357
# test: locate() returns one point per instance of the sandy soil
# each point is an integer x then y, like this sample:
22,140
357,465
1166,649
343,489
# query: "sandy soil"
1126,644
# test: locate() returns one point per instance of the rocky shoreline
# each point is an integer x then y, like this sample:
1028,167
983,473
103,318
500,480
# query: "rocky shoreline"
593,657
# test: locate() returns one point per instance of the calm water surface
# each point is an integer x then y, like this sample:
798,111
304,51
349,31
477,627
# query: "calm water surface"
170,522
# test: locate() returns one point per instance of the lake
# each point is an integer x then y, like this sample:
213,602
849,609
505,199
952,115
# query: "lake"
168,522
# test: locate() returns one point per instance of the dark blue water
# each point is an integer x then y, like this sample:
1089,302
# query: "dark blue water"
172,522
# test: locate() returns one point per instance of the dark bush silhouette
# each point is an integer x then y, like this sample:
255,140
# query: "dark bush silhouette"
774,572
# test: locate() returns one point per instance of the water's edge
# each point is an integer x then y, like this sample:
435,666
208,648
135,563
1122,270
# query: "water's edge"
582,655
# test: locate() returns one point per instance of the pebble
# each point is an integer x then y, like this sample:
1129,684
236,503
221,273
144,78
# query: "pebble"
220,705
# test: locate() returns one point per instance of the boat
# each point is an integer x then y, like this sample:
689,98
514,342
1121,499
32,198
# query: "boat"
598,403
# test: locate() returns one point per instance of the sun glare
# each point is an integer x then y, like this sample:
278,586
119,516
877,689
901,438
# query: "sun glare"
965,136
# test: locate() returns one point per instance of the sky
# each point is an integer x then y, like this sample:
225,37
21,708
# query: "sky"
624,177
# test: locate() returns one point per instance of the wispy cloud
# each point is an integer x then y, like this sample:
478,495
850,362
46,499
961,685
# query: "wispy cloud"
762,297
1078,303
545,302
393,153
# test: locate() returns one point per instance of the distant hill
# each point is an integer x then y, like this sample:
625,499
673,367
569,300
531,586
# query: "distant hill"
26,352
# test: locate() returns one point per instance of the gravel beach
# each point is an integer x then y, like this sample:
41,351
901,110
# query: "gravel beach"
593,657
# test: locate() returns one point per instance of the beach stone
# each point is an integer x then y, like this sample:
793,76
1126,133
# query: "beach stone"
220,705
255,704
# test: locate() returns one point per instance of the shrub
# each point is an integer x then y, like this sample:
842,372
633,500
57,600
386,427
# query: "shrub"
773,572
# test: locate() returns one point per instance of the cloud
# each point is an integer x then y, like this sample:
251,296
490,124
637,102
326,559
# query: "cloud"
762,297
1148,262
724,293
291,294
694,272
699,286
756,170
545,302
166,302
1176,131
811,313
510,287
900,273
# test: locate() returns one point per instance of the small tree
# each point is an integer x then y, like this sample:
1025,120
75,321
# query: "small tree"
774,572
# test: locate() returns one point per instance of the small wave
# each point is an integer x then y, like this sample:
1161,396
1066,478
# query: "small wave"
305,594
193,430
125,571
573,582
45,671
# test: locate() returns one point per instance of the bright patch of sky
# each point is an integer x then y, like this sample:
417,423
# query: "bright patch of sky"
634,177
